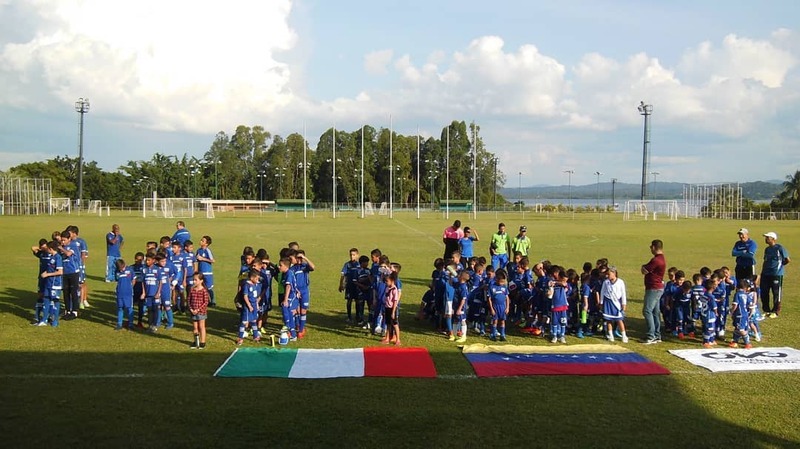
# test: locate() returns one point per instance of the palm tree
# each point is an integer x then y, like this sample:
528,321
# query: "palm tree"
790,195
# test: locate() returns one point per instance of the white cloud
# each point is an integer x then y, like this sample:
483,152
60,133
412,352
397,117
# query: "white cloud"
160,64
376,62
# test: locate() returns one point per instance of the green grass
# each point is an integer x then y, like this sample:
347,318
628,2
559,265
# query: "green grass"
89,383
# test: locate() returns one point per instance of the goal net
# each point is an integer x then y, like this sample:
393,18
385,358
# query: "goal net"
651,210
60,205
369,209
384,210
170,207
94,206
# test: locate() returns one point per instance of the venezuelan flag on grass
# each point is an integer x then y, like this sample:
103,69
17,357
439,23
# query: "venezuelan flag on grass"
328,363
580,360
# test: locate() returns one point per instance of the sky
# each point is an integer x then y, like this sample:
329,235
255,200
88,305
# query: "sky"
554,86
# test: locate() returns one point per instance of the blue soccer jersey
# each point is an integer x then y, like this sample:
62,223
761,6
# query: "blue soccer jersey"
124,291
290,283
204,266
72,262
465,244
52,284
462,292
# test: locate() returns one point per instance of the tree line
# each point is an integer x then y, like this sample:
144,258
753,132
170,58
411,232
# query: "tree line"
252,163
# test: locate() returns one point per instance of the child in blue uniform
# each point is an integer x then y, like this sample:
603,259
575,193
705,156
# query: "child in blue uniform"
152,292
707,306
289,301
205,261
682,305
40,252
176,261
166,281
302,267
363,289
125,282
741,321
498,305
460,305
251,296
138,287
51,290
347,282
558,293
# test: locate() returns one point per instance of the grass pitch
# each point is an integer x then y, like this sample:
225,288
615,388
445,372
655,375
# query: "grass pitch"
85,384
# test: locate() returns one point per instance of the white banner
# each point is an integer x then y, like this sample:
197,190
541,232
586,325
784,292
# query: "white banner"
756,359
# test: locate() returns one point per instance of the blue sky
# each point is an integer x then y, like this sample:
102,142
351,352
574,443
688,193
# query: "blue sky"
554,85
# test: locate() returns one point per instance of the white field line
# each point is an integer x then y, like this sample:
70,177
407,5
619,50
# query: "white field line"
226,361
428,236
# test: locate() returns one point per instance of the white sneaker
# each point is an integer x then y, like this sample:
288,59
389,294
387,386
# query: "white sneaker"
624,338
721,333
553,340
562,340
378,330
758,336
40,324
610,337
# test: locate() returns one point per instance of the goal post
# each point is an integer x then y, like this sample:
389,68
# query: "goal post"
170,207
58,205
651,210
369,209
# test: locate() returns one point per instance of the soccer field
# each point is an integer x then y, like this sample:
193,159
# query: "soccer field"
83,384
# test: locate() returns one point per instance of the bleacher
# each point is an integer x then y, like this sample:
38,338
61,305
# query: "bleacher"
289,205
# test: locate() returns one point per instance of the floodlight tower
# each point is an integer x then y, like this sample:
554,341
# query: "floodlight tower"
646,110
82,108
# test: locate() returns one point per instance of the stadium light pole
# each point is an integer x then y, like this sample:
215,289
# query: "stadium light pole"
569,185
655,183
494,197
82,108
613,199
646,110
597,196
261,176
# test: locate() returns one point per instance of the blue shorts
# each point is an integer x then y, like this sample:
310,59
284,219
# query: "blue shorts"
151,302
305,299
499,313
248,316
208,280
52,294
125,302
559,317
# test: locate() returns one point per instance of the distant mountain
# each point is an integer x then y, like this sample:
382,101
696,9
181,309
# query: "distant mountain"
757,191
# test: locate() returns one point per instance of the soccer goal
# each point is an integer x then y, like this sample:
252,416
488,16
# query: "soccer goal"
94,206
384,210
651,210
369,209
170,207
58,205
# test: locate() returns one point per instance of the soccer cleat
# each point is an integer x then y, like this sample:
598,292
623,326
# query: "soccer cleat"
301,334
379,330
463,339
707,345
365,326
624,338
40,324
691,334
579,334
118,328
610,337
140,325
451,337
554,339
493,338
733,344
773,315
202,346
458,333
681,336
194,345
257,339
293,339
262,330
239,342
169,326
85,304
536,331
562,340
748,346
758,336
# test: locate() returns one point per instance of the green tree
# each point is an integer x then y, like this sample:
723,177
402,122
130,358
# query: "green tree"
789,197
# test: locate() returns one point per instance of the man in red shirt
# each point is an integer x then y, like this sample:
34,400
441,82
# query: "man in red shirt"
653,273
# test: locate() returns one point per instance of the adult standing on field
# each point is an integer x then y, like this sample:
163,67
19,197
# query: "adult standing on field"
181,233
114,242
451,236
653,272
775,258
521,243
744,251
499,247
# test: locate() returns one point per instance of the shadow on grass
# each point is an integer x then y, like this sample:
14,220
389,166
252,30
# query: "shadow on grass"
108,390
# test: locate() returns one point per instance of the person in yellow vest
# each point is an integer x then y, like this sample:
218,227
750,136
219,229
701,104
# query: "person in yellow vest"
499,247
521,243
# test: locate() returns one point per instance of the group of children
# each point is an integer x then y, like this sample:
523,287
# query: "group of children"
165,277
62,271
376,292
253,298
710,297
539,298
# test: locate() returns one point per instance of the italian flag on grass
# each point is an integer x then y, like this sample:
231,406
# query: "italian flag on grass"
328,363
